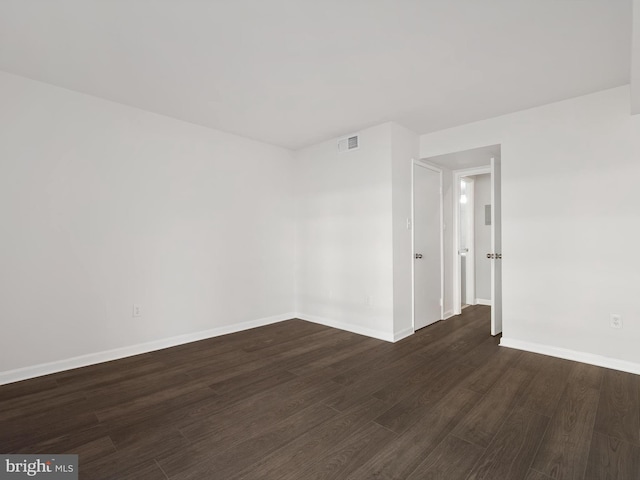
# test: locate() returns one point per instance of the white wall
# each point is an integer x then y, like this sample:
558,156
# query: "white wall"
570,223
103,206
353,247
482,236
404,149
344,251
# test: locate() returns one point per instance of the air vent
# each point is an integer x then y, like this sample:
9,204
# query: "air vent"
349,143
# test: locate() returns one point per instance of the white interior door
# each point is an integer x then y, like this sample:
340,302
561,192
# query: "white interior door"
496,248
427,246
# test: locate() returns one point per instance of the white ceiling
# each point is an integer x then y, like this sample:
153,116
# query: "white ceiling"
476,157
294,72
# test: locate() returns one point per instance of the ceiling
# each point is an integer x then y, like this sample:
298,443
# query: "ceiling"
476,157
294,72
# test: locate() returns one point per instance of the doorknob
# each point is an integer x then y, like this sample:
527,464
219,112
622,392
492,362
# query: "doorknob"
490,255
418,255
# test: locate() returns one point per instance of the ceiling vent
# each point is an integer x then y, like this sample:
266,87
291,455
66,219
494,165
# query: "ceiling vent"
349,143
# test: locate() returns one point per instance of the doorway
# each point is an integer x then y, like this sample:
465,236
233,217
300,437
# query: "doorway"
461,171
466,241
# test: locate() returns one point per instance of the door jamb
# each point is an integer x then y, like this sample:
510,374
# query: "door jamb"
423,164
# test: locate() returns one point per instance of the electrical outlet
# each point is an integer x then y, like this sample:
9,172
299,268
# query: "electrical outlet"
615,320
137,310
408,224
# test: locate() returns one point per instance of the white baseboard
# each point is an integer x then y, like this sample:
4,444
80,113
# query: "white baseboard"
386,336
577,356
407,332
448,314
483,301
16,375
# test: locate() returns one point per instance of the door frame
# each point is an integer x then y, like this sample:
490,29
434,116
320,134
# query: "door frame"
457,264
422,164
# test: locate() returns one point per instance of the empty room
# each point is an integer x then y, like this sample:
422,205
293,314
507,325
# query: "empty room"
304,239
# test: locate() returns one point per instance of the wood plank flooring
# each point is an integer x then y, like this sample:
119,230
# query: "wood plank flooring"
296,400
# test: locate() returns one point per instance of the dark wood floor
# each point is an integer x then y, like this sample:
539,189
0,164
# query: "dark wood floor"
301,401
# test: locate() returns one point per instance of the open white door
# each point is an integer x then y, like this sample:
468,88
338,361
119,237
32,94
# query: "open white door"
496,248
427,238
